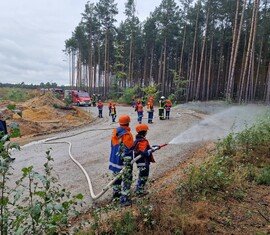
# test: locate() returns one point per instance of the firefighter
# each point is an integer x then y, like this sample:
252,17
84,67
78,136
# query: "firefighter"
4,135
100,109
121,155
150,109
113,112
3,125
110,108
142,147
139,109
161,108
168,105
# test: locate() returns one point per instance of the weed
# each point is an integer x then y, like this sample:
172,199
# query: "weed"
37,205
146,213
5,191
11,106
125,225
210,177
227,147
15,132
264,176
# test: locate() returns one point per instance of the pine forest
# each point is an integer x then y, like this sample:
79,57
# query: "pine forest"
193,50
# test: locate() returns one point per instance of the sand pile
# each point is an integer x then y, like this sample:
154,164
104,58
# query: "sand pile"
42,100
46,114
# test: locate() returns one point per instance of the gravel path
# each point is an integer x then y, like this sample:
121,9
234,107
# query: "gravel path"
92,147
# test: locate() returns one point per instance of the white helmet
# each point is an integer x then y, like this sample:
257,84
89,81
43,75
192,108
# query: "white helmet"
162,97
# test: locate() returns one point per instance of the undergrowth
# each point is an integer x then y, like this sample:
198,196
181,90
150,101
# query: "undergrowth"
238,161
36,204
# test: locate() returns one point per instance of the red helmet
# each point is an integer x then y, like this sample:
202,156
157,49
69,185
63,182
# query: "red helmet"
124,119
142,127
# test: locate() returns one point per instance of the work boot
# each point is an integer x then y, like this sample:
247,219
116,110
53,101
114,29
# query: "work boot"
126,203
141,193
11,159
116,197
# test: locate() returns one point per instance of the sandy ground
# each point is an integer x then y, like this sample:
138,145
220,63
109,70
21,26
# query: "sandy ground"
91,144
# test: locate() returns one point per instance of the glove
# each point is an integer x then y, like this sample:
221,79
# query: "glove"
155,147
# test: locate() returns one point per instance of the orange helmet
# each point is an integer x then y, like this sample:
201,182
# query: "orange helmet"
124,119
142,127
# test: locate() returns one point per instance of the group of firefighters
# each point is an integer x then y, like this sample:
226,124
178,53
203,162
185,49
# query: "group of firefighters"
124,149
163,110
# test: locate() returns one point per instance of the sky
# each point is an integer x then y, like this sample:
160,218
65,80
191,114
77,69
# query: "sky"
33,34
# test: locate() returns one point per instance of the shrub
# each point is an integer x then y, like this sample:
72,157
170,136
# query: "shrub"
16,95
38,204
207,179
125,225
11,106
264,176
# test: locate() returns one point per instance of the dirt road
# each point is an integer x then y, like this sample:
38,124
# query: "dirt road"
188,126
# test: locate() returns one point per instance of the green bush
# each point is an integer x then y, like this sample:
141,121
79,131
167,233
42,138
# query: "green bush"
264,176
37,204
124,226
207,179
16,95
255,136
11,106
226,167
129,94
15,132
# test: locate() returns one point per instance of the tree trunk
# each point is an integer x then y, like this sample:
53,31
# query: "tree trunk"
209,71
160,69
151,65
202,56
251,60
267,97
231,74
235,32
130,61
192,57
248,55
182,52
258,69
164,67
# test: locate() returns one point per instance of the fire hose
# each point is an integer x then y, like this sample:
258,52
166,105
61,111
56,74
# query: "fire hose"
90,185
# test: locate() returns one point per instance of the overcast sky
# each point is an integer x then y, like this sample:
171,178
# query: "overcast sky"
32,36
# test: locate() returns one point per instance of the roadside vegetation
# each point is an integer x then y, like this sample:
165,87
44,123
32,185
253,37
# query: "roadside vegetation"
35,203
16,94
225,190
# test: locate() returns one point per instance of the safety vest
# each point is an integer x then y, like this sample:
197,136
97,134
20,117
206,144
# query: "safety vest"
139,108
162,103
113,110
150,106
141,147
121,143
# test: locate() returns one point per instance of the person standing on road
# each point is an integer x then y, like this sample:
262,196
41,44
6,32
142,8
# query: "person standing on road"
142,147
150,109
100,109
161,108
110,108
4,137
167,106
3,125
113,112
121,157
139,109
